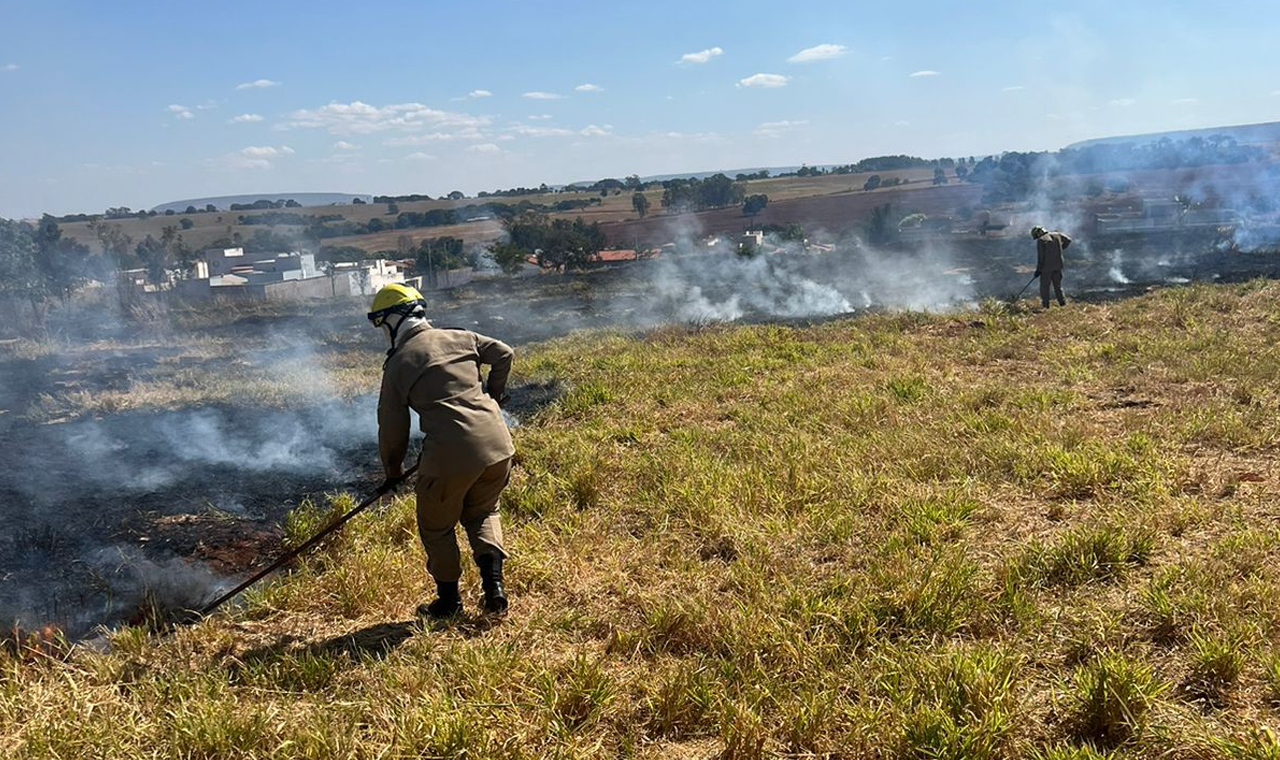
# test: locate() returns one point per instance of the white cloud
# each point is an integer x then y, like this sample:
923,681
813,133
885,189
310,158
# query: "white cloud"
9,67
257,84
540,117
247,118
344,145
777,128
253,157
208,105
484,148
1053,117
1275,93
420,157
902,124
591,130
588,88
266,151
180,112
1187,102
697,136
924,73
822,52
1014,88
340,159
233,161
1122,102
430,137
764,80
357,118
479,94
526,130
702,56
536,95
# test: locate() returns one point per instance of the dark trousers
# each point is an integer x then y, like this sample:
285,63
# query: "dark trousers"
1054,278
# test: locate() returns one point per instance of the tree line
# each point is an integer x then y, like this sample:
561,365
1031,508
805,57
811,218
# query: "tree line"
1017,176
264,204
554,243
38,264
716,191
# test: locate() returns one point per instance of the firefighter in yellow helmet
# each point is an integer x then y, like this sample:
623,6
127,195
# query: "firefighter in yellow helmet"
466,452
1049,249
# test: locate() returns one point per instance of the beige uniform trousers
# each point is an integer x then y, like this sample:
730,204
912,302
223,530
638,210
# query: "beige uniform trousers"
467,497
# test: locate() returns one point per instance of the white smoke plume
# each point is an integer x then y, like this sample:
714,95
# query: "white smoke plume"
705,280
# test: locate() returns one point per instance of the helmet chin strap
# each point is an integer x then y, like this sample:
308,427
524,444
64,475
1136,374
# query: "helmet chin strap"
392,325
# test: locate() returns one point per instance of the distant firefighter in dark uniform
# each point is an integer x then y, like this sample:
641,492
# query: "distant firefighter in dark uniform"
1049,248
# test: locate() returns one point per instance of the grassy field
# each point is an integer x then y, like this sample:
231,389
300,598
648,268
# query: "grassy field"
985,535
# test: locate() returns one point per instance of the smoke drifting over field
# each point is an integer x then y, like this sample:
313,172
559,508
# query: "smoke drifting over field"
178,445
683,290
786,281
104,515
727,288
83,499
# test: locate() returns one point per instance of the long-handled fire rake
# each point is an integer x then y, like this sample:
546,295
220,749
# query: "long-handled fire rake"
1024,287
383,490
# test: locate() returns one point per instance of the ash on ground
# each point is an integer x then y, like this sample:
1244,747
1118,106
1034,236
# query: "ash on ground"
114,518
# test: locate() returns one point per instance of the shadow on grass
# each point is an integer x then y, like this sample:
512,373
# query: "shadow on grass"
374,641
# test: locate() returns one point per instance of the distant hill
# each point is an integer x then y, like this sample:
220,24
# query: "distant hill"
703,175
223,202
1244,134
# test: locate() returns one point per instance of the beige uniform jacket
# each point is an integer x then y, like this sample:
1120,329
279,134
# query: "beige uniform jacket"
1049,248
436,373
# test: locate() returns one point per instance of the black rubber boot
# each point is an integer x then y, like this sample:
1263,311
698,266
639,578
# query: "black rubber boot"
447,604
495,599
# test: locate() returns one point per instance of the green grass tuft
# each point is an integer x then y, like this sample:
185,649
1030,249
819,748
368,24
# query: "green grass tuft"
1109,697
1082,555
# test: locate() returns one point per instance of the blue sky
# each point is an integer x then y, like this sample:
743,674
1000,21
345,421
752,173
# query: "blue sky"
136,103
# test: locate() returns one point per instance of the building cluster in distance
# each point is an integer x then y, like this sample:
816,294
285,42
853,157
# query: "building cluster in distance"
232,273
1160,215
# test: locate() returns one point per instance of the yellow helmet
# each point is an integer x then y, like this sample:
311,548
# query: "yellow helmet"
395,298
